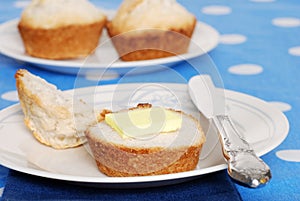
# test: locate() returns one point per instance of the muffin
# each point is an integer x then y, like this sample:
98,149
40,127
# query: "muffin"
54,117
133,152
149,29
61,29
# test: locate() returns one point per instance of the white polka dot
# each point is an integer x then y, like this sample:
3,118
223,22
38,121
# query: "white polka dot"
295,51
281,106
10,96
286,22
245,69
289,155
262,1
21,4
232,39
216,10
1,191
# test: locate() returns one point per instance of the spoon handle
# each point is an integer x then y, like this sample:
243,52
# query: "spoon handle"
244,166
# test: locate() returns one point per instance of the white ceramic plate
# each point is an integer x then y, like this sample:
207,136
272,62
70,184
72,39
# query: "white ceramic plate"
205,38
263,126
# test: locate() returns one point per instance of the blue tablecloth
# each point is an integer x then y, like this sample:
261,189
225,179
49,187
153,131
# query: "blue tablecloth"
203,188
258,54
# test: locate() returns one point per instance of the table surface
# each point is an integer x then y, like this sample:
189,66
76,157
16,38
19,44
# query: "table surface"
258,54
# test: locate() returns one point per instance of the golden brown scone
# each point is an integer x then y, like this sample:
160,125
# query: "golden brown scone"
53,116
61,29
165,153
149,29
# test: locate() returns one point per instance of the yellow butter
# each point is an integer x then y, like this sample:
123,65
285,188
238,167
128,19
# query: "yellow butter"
144,121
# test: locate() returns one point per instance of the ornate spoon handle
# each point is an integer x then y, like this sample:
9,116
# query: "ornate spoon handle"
244,166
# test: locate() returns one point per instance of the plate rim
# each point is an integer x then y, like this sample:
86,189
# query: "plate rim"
234,95
120,65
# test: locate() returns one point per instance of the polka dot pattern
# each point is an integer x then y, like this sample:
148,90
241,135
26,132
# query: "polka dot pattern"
246,69
284,107
232,39
10,96
216,10
289,155
286,22
294,51
244,51
21,4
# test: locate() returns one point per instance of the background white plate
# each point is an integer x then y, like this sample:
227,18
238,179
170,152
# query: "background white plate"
263,126
205,38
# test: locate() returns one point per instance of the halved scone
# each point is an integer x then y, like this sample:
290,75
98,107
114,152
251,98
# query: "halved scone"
54,117
175,148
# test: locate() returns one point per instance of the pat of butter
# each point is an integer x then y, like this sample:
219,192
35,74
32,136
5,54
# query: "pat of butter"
144,121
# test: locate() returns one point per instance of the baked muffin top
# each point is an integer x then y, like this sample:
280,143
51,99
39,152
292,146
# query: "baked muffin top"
57,13
161,14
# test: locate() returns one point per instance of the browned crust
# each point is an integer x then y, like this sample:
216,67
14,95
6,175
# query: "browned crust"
151,44
187,162
141,105
102,114
61,43
123,161
24,94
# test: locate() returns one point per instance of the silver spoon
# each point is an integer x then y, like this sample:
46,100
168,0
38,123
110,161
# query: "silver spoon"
244,166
